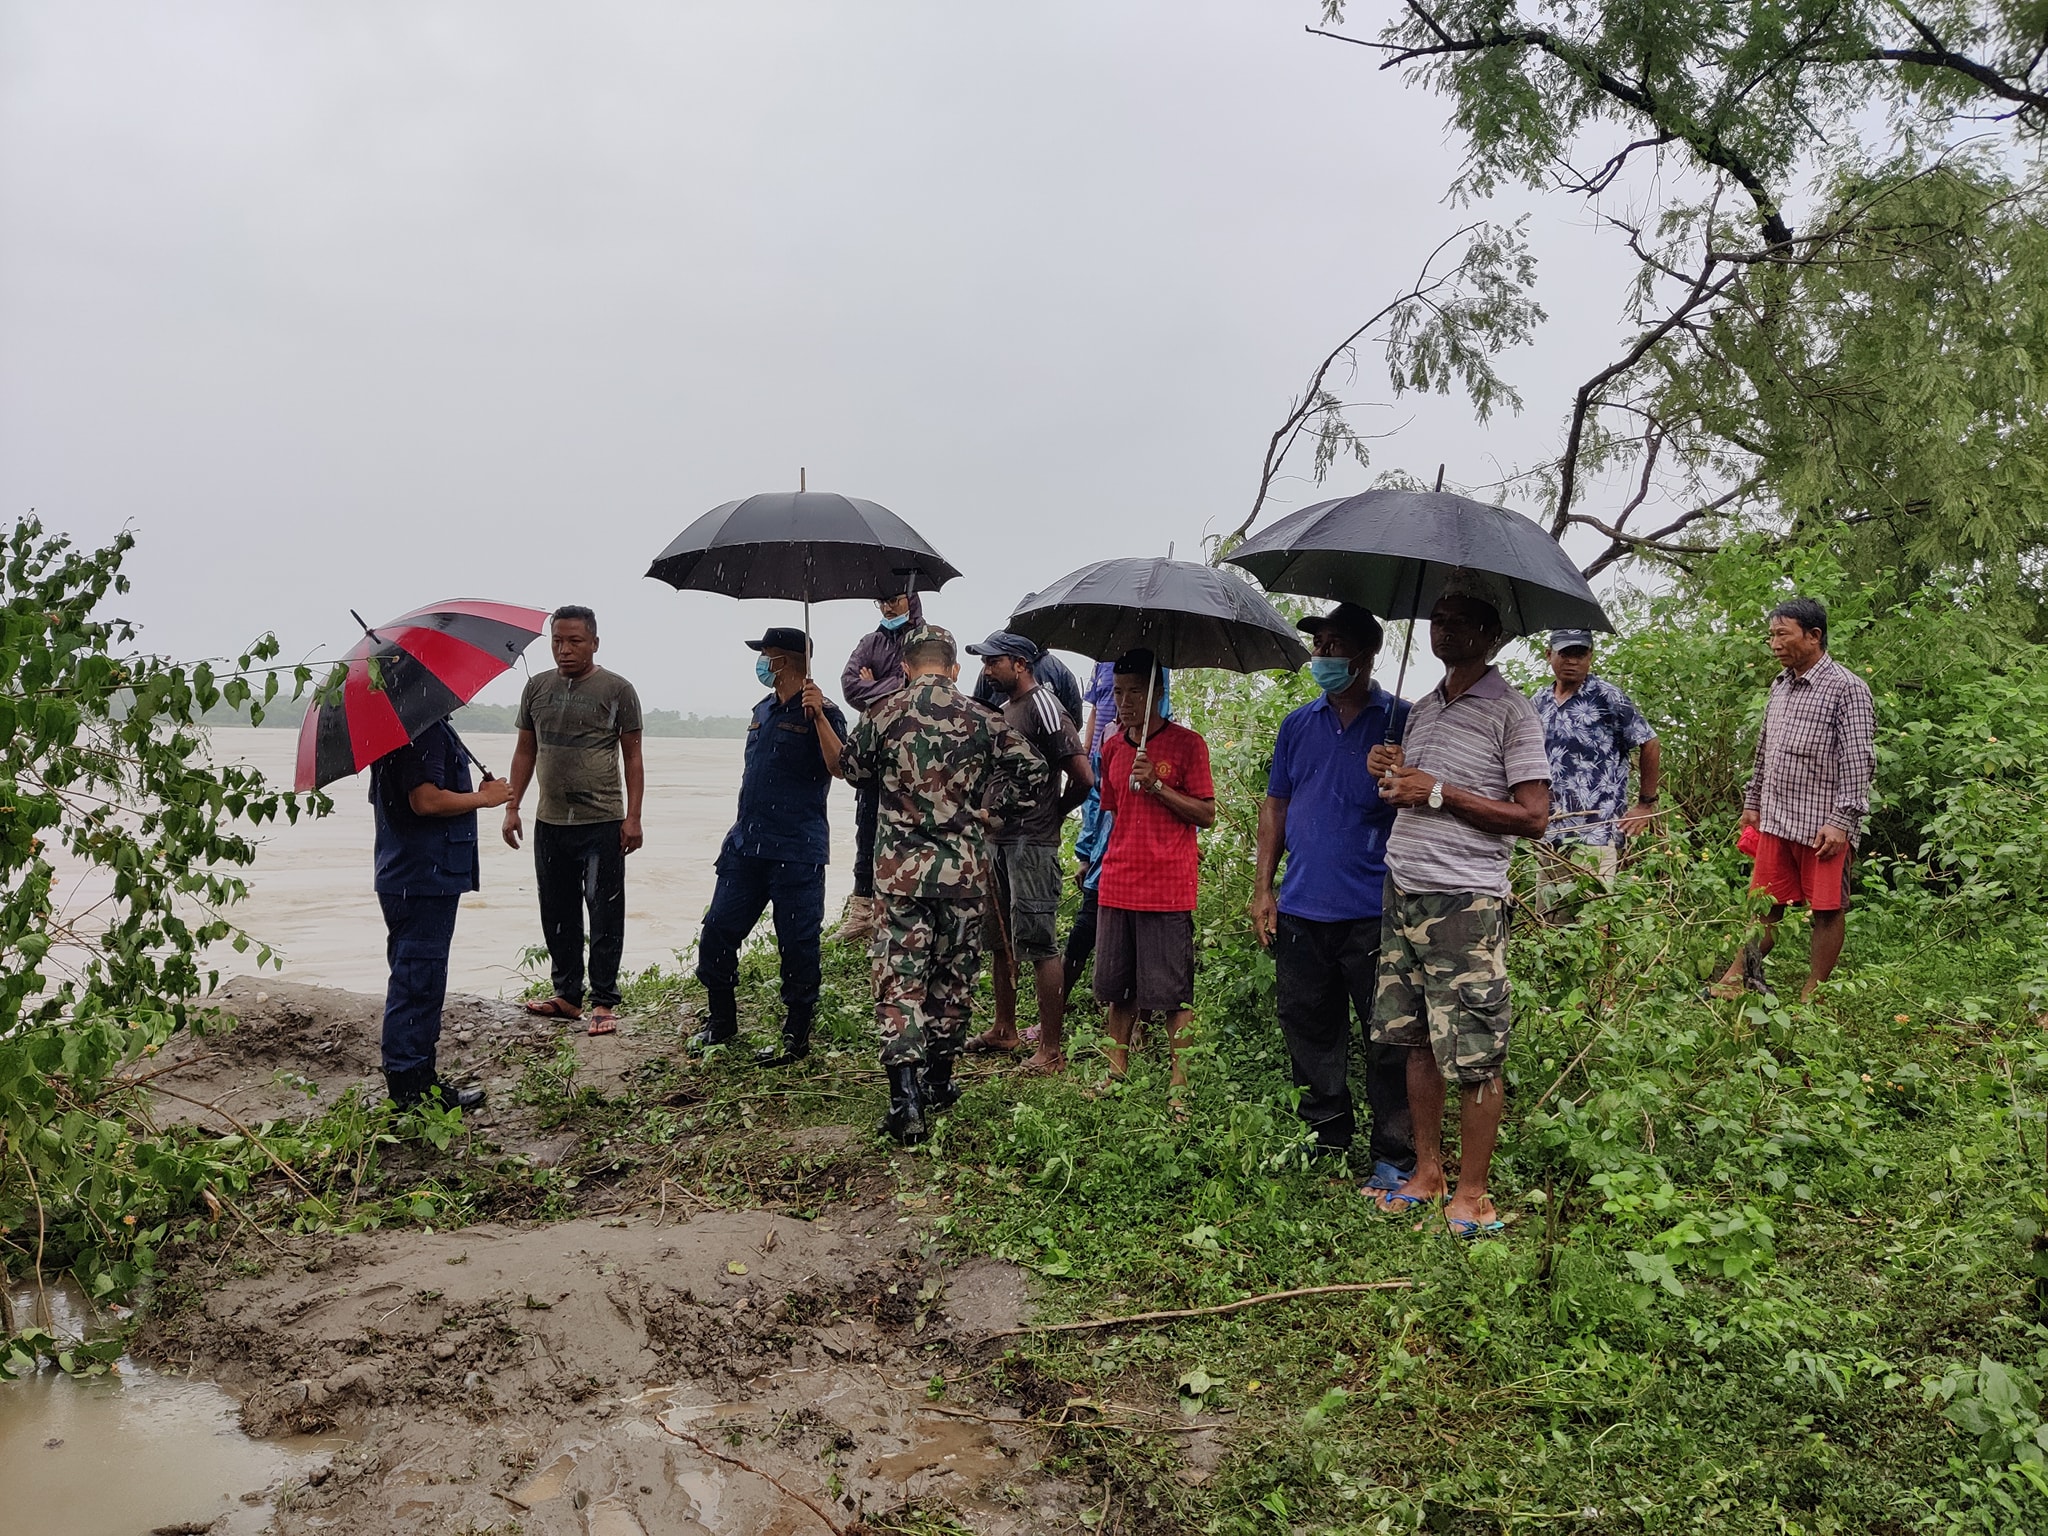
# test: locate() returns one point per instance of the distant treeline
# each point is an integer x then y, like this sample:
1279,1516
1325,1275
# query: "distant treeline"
484,719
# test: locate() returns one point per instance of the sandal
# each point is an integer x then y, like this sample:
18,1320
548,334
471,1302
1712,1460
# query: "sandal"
985,1044
555,1008
603,1022
1472,1231
1400,1204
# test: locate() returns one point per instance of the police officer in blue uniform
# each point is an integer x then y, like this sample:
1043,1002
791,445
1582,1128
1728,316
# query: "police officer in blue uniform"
777,850
426,858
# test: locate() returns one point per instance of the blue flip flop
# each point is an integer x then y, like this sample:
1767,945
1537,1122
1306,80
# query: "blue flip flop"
1471,1231
1401,1204
1386,1176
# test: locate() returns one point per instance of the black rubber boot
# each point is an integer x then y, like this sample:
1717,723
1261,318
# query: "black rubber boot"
905,1120
450,1095
938,1089
408,1088
721,1022
795,1046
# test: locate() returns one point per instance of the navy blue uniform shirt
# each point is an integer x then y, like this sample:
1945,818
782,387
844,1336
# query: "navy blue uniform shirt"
783,787
423,855
1336,824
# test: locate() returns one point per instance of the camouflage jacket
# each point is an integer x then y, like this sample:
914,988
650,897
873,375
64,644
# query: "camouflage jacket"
947,769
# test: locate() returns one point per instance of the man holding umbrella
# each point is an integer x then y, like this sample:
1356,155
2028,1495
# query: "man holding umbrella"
1323,808
776,851
872,673
425,812
946,768
1470,776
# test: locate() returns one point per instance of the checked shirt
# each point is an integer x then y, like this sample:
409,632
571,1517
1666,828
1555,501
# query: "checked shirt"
1814,757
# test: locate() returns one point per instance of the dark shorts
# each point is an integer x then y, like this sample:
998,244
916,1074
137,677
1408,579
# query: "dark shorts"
1146,959
1028,889
1793,872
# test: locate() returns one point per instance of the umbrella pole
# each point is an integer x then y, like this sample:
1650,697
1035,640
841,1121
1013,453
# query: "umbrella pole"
1407,645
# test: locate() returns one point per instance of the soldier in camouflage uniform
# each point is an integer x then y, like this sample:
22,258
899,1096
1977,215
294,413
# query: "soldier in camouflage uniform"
946,769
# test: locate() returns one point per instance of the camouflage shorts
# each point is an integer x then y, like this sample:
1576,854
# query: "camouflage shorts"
927,953
1444,980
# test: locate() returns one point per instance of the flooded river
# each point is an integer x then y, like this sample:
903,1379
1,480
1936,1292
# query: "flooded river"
132,1451
310,893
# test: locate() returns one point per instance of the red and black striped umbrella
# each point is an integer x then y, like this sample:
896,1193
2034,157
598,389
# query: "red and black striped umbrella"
429,663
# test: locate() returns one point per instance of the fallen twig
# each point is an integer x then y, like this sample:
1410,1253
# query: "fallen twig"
167,1067
770,1478
254,1140
1216,1311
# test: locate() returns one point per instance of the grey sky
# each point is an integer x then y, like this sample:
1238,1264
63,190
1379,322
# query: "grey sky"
363,305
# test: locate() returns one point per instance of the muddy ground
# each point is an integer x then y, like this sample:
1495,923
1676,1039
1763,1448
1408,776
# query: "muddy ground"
654,1365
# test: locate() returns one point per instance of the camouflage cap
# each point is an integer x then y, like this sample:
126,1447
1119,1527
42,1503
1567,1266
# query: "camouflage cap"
930,637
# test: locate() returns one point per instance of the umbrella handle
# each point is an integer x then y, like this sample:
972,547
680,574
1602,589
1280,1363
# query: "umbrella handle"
1408,644
1145,725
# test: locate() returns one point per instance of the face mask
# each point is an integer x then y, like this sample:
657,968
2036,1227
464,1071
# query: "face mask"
898,622
764,669
1333,674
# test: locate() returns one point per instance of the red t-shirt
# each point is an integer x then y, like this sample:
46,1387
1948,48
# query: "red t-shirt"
1153,863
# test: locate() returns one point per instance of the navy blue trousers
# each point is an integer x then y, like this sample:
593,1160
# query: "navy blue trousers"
747,888
418,931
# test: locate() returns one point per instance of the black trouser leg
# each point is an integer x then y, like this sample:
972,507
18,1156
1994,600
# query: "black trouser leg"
1315,1019
559,873
798,891
418,932
1386,1066
1080,940
867,813
737,902
604,891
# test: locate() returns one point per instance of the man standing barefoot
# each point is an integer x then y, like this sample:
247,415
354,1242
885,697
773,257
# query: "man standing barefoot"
1469,777
577,725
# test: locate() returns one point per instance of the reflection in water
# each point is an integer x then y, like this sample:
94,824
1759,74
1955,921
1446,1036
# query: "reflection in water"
128,1452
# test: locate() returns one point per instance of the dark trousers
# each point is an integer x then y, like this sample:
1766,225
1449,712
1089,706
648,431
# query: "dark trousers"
418,931
746,888
1081,937
578,867
1321,972
867,812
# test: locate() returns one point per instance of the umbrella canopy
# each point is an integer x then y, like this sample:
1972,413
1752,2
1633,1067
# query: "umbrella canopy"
1391,551
1187,615
430,662
805,546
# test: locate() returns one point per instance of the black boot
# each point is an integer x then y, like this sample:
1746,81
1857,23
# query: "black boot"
450,1095
721,1022
938,1088
795,1046
905,1120
409,1087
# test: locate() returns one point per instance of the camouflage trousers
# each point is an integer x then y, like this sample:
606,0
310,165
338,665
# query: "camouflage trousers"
927,953
1443,980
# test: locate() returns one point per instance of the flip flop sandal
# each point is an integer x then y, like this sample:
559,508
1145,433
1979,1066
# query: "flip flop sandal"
981,1045
604,1023
1401,1204
1032,1069
1471,1231
1386,1176
555,1008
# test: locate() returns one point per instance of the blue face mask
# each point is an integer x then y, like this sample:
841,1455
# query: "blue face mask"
898,622
764,669
1333,674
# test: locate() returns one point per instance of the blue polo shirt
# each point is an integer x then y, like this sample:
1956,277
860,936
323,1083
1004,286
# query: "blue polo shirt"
784,784
1336,826
423,855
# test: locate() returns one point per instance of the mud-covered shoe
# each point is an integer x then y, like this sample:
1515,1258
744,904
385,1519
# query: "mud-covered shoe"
862,917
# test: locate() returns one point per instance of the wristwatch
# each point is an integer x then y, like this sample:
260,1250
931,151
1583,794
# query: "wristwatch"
1436,795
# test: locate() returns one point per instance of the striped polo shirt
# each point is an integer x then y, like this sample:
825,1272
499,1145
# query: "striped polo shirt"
1485,741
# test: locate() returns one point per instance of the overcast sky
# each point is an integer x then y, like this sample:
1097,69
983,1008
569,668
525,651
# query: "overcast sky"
360,305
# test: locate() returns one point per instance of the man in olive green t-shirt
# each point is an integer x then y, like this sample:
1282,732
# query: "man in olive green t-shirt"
577,725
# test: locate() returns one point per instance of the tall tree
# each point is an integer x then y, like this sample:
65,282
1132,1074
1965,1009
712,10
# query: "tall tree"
1836,215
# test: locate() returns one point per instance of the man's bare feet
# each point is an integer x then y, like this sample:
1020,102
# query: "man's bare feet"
990,1043
1042,1065
1119,1061
1477,1209
1729,986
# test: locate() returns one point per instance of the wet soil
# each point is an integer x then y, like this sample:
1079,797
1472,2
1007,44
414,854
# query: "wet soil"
660,1366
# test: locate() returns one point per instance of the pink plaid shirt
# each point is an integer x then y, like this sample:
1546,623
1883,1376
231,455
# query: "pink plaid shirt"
1814,757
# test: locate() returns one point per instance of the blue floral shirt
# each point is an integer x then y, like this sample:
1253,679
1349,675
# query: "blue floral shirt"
1589,738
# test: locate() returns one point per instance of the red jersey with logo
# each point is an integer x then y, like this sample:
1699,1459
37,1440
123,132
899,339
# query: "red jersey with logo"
1153,862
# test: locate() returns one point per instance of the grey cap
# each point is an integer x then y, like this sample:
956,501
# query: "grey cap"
1004,643
1571,639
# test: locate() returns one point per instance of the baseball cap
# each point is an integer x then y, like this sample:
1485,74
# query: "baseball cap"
781,639
1005,643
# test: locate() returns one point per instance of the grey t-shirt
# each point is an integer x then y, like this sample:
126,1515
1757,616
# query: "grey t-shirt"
1041,719
1485,741
576,724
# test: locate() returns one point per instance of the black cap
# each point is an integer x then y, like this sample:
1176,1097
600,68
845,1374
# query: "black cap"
781,639
1349,619
1005,643
1571,639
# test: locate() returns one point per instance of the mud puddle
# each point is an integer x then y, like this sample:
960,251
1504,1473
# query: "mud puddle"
136,1450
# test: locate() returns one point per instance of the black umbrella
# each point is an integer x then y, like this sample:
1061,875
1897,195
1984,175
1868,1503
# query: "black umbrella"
1390,551
1187,615
1393,552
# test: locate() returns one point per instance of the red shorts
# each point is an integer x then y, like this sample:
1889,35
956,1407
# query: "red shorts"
1793,872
